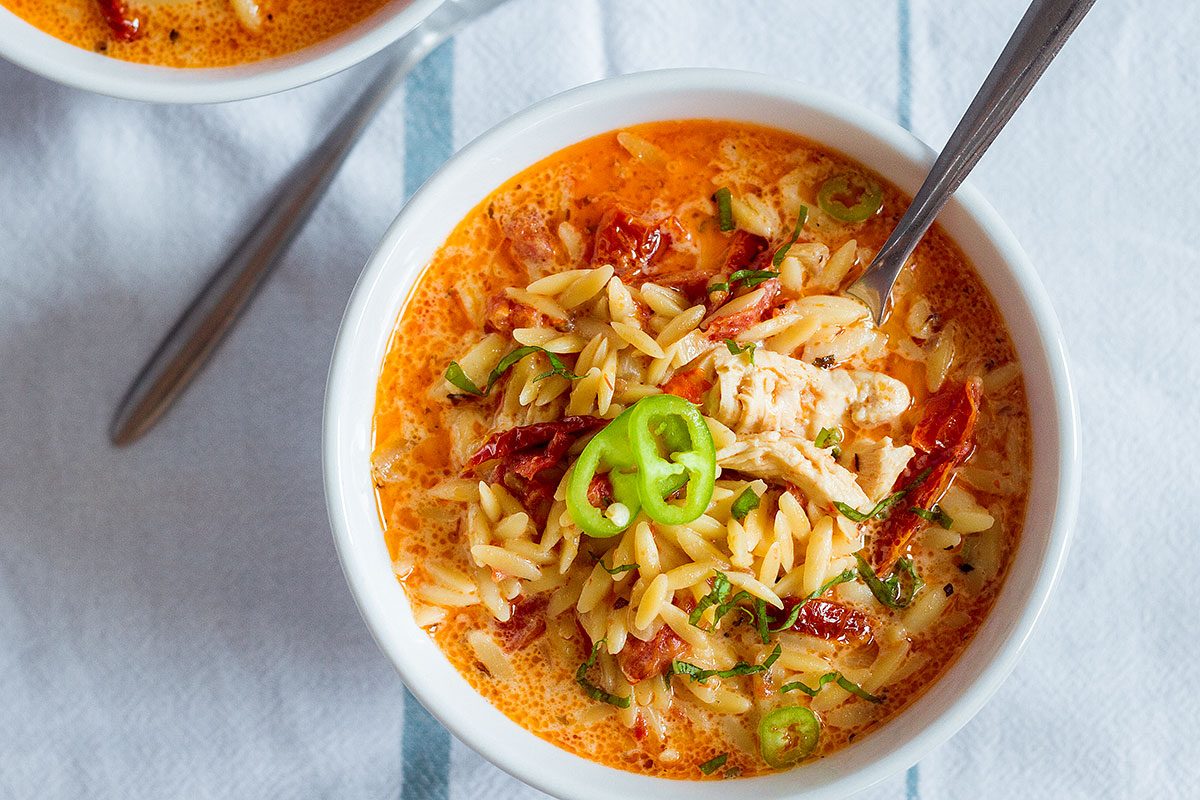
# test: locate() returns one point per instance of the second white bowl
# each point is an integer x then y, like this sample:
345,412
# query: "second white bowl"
38,51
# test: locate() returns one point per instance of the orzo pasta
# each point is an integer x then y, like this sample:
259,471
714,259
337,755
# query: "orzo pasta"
660,490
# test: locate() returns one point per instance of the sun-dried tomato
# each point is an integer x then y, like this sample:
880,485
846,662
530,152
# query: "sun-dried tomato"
949,417
648,659
125,26
690,385
944,438
526,453
743,250
728,326
526,623
631,244
600,491
528,449
827,620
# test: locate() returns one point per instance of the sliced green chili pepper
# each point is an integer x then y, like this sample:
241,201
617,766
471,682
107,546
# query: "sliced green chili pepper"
787,735
870,197
655,448
669,438
610,446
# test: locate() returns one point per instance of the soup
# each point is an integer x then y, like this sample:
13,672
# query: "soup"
193,33
658,487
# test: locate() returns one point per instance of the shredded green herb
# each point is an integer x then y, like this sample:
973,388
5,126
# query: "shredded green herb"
732,603
783,250
718,287
898,589
456,375
828,437
747,348
830,677
854,515
760,620
746,502
741,668
752,277
719,593
617,570
592,690
845,576
934,514
714,764
724,199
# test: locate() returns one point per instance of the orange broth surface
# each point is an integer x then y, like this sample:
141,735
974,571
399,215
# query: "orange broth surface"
437,325
196,33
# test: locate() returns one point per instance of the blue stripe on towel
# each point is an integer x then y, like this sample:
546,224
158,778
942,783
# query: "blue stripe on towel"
426,771
428,111
904,95
428,142
912,783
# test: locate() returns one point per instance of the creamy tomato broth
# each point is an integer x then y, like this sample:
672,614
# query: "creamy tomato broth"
659,489
193,33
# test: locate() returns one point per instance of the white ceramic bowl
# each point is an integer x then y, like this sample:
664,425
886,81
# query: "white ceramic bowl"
540,131
39,52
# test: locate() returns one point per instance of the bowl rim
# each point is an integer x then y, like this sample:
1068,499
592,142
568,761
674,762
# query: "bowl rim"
530,761
43,54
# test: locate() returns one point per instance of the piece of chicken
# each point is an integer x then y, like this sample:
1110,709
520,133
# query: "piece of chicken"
878,464
796,460
780,393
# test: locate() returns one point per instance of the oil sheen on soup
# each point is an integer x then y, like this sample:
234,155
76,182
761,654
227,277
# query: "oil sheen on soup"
657,486
193,33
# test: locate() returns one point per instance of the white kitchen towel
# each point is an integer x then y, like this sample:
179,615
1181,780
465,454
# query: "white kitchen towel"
173,622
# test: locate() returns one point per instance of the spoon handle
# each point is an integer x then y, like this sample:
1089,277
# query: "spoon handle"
212,313
1040,35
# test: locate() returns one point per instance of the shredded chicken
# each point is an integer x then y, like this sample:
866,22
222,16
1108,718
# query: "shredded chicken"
796,460
780,393
879,464
878,398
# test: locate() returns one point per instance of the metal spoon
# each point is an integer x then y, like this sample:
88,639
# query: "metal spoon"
202,326
1034,44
